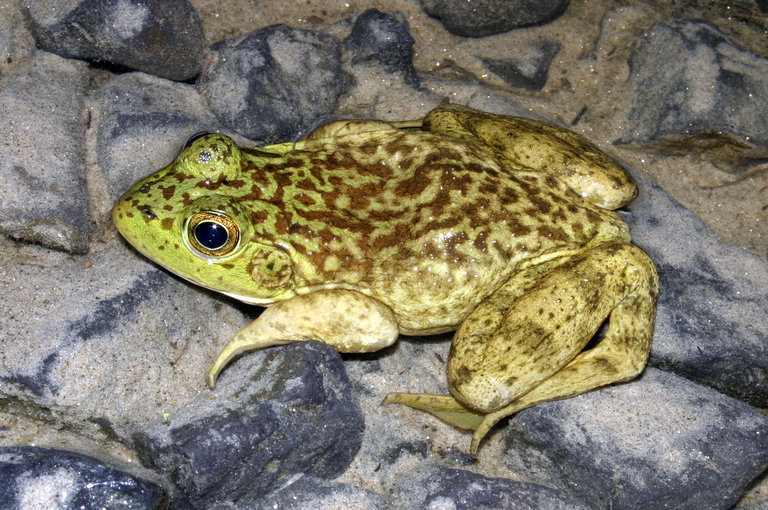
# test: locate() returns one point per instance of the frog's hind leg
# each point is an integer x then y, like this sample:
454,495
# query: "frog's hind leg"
520,349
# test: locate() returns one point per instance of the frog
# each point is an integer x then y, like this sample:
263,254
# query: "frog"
501,229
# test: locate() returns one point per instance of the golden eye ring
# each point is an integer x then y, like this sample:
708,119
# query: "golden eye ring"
213,234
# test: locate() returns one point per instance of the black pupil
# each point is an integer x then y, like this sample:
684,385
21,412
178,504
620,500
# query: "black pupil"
195,137
211,235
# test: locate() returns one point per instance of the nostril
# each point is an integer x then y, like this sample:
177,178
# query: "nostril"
147,212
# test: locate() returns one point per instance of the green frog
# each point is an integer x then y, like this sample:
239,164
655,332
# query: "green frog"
500,228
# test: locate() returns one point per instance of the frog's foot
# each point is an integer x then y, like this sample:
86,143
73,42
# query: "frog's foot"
346,320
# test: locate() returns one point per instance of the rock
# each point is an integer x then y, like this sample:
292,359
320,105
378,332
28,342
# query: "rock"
479,18
383,40
434,486
162,37
275,83
32,477
42,136
712,300
312,492
528,67
141,123
17,45
658,442
275,413
714,85
115,340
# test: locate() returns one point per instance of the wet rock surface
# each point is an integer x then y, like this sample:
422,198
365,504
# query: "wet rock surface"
100,343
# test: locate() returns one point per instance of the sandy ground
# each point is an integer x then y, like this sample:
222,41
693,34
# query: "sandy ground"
586,79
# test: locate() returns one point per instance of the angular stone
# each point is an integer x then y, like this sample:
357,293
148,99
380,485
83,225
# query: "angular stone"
715,86
161,37
32,477
479,18
712,302
274,83
274,413
311,492
42,142
384,40
434,486
528,67
660,441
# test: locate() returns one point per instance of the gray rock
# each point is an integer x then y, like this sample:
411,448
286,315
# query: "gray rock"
274,413
42,136
17,45
658,442
687,77
274,83
713,298
528,67
435,486
479,18
311,492
384,40
162,37
32,477
141,123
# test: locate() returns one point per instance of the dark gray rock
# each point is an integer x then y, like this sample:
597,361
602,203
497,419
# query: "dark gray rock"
32,477
383,39
528,67
42,148
142,122
657,442
274,83
311,492
275,413
434,486
687,77
713,299
162,37
479,18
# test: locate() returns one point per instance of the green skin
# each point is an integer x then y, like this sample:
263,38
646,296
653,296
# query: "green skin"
497,227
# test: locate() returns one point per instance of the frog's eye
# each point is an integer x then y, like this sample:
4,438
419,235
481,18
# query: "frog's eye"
194,137
213,234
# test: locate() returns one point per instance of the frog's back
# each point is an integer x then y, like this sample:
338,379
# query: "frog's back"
425,223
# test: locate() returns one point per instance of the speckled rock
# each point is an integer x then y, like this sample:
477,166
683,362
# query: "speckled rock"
382,39
527,67
435,486
714,86
275,83
162,37
275,413
32,477
311,492
658,442
712,302
487,17
42,143
17,44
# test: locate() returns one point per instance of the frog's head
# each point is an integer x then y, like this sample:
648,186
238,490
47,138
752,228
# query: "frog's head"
198,217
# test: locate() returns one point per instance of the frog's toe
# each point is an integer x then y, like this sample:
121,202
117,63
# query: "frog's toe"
444,407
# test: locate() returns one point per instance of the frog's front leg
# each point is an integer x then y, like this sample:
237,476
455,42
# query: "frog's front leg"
514,353
346,320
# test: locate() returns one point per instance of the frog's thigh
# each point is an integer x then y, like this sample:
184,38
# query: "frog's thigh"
543,147
346,320
532,353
